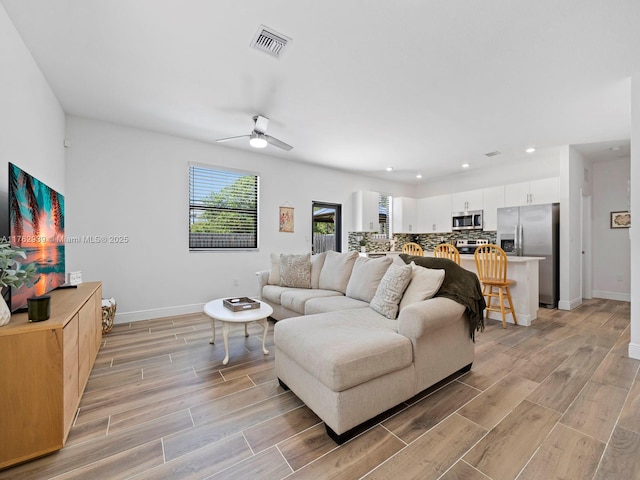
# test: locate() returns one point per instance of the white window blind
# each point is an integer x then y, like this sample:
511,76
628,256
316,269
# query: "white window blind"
223,208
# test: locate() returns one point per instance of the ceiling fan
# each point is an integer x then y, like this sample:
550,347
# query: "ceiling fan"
258,138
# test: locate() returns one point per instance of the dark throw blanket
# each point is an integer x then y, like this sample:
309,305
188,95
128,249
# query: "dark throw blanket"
459,285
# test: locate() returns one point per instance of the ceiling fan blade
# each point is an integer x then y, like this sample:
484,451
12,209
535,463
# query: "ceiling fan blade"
232,138
261,123
278,143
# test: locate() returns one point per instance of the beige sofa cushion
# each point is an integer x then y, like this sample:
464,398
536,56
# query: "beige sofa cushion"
295,270
272,293
295,299
346,348
337,270
366,276
390,290
424,284
332,304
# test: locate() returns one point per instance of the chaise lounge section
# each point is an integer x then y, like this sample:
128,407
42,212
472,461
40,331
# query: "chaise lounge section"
350,362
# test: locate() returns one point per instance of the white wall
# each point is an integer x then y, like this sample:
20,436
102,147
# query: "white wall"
611,247
126,181
634,345
572,184
491,172
31,119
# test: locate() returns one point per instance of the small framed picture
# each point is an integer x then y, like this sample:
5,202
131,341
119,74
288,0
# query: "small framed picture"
620,219
286,219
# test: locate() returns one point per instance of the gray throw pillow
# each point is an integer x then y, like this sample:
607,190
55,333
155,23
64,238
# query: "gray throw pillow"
337,270
390,290
295,271
366,276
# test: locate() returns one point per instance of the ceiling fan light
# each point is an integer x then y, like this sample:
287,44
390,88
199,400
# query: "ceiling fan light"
257,140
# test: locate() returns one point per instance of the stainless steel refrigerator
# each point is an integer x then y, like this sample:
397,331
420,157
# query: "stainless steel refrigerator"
533,231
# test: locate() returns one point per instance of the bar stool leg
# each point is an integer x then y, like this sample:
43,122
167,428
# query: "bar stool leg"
513,311
489,297
504,318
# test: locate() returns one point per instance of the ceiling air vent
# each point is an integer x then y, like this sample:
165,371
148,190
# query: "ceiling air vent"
492,154
270,41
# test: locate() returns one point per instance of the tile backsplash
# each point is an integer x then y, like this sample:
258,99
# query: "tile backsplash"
375,243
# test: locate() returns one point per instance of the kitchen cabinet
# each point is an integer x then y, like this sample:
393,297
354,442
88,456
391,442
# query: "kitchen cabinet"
366,211
534,192
434,214
45,369
492,200
465,201
405,215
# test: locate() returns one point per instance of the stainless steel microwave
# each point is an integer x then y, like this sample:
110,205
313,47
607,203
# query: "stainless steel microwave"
471,220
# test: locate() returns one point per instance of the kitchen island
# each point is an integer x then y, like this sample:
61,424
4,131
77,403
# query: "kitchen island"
524,271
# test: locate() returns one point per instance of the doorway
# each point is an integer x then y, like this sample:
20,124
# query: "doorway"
326,227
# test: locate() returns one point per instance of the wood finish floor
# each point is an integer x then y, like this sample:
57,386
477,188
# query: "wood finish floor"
559,399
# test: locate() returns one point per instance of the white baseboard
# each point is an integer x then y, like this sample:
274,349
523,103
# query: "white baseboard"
623,297
127,317
634,350
523,320
569,305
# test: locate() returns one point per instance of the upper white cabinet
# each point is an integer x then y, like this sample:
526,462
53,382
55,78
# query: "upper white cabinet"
365,211
464,201
405,215
534,192
434,214
492,200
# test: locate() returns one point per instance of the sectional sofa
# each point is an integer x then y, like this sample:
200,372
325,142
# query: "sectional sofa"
356,336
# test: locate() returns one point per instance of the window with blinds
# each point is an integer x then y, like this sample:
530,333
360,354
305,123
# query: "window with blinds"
384,214
223,208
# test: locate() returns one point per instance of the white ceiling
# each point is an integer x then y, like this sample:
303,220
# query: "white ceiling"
420,85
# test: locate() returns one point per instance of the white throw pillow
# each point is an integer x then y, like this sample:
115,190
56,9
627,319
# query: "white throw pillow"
317,261
390,290
295,270
337,270
366,276
274,273
424,284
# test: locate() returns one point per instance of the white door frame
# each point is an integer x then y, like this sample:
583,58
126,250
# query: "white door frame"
586,247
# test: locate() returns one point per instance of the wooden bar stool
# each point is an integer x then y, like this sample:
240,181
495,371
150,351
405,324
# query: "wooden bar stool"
412,249
491,263
446,250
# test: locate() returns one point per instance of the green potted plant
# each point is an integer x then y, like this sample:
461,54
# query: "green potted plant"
363,245
13,274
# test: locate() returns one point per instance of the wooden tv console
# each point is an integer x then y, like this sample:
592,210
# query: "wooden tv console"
44,368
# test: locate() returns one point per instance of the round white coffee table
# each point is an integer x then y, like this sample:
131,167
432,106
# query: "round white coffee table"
217,311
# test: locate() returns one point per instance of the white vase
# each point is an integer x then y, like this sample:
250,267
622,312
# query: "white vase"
5,313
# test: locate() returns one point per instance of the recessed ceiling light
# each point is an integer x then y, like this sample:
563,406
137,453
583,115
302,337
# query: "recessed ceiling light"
419,175
465,165
389,169
530,150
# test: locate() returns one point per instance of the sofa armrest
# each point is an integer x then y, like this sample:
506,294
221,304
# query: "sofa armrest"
428,316
263,279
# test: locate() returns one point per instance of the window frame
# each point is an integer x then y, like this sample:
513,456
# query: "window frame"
191,207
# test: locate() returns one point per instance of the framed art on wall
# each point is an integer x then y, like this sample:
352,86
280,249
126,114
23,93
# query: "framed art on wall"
286,219
620,219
